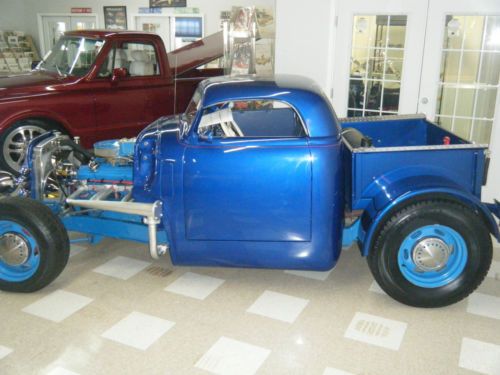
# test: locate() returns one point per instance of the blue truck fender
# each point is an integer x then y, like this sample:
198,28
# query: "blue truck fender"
486,210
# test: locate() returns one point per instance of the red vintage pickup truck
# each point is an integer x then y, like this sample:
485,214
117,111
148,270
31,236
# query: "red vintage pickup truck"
99,85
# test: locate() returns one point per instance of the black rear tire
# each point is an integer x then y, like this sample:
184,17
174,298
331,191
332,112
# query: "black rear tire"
390,255
38,243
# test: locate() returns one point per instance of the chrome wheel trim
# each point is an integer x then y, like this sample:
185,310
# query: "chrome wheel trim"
431,254
16,142
14,250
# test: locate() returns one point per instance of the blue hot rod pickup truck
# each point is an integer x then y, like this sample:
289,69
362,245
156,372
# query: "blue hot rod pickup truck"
261,173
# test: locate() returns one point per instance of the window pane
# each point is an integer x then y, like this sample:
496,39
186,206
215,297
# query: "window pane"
356,93
381,36
474,27
492,40
376,62
482,131
373,93
362,33
465,102
359,62
251,118
490,67
446,101
449,66
394,64
445,122
453,33
470,65
461,127
390,101
470,74
485,106
140,58
397,32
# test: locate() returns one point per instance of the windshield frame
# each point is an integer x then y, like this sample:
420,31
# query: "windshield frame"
53,57
190,114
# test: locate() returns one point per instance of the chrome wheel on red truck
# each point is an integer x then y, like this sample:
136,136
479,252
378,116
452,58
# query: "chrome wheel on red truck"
14,142
431,254
34,245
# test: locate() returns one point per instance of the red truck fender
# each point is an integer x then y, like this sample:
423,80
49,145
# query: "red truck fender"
49,116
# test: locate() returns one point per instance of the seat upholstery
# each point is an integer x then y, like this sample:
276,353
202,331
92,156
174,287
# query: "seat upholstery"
121,60
141,65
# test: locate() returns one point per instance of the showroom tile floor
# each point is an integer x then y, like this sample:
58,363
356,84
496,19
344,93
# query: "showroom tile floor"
115,311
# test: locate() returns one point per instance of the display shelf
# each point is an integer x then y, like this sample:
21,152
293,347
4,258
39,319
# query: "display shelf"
17,52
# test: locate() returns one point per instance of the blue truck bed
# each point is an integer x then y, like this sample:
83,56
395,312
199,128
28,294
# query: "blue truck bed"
407,153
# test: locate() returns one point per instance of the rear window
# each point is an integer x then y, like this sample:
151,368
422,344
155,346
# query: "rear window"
251,118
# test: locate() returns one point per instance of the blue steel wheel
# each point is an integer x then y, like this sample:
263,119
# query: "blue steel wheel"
431,254
34,245
19,253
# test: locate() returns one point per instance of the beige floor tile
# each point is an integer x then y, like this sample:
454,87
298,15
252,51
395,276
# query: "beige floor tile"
58,305
312,343
481,357
121,267
278,306
228,357
138,330
4,352
194,285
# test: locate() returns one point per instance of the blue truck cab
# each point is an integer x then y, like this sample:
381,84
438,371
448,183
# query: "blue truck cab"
259,172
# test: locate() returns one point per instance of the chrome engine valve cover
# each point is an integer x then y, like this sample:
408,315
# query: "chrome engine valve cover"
431,254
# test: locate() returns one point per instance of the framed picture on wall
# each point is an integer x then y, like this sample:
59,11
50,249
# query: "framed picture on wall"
167,3
115,18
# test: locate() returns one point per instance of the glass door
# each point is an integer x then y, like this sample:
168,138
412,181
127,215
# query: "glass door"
377,57
54,25
380,73
437,57
83,23
461,73
53,28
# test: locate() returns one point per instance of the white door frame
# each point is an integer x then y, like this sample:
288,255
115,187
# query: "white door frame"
41,37
414,43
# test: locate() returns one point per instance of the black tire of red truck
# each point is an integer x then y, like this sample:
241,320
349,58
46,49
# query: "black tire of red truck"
431,254
34,245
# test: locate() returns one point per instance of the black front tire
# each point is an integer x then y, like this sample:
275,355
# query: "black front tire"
386,266
45,236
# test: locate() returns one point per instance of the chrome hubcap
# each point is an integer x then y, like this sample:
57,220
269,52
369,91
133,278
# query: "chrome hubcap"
14,148
14,249
431,254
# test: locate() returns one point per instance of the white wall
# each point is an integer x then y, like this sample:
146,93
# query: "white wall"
304,31
304,39
209,8
12,15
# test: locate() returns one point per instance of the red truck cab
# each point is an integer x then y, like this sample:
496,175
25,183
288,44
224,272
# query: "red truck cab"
100,84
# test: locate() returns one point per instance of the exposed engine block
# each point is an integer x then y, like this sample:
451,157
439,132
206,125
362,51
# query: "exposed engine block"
57,168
